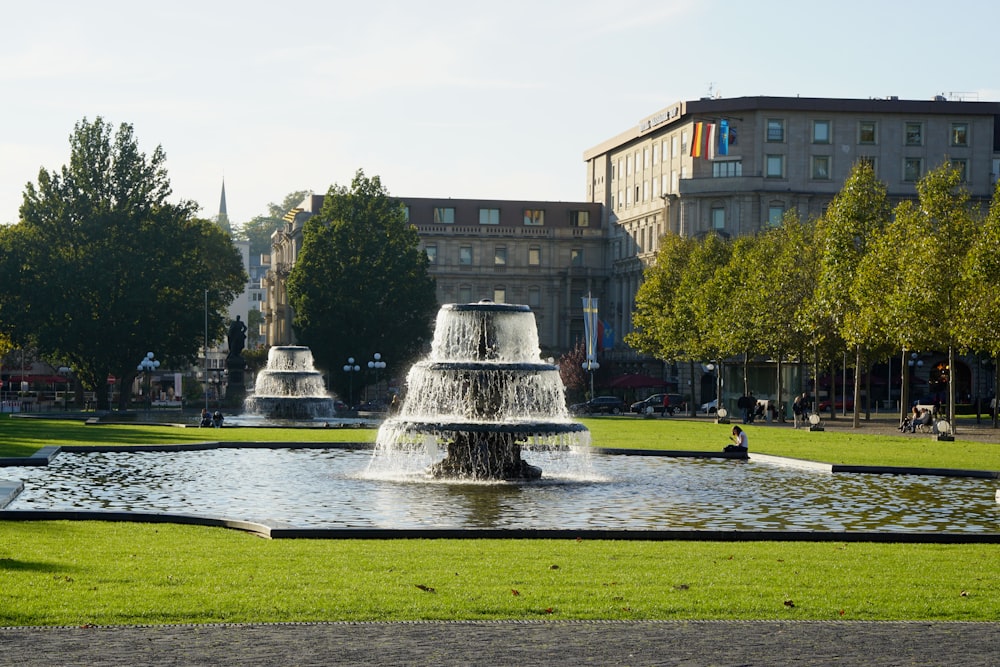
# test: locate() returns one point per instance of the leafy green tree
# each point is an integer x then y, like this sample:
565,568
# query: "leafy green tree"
361,283
102,267
657,329
857,216
259,229
978,328
913,284
780,270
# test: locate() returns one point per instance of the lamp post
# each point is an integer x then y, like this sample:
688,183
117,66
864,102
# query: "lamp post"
147,366
350,367
591,365
65,371
376,364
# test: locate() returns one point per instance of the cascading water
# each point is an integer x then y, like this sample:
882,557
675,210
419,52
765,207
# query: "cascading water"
479,401
290,387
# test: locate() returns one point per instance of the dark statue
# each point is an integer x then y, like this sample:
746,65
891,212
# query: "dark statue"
237,338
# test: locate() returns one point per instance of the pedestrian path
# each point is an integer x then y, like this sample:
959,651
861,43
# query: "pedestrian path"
555,643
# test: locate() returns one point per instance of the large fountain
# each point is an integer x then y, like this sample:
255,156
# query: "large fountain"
290,387
480,400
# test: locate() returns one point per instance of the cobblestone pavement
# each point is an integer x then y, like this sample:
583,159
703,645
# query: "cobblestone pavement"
511,643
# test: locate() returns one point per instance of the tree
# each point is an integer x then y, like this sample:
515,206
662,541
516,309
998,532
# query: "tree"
856,217
102,268
361,284
258,230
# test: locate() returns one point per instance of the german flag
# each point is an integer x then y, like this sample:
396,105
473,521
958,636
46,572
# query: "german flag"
698,140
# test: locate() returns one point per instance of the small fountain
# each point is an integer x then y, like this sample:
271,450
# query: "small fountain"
479,400
290,387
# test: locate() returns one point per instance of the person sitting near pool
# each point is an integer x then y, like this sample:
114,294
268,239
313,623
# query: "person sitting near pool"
740,441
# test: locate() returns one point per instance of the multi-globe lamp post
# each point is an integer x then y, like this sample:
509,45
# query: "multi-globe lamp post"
376,364
350,368
147,366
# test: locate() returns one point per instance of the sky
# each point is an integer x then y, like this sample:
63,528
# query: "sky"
439,98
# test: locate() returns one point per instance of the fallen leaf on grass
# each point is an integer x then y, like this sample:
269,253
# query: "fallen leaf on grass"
515,592
681,587
427,589
789,604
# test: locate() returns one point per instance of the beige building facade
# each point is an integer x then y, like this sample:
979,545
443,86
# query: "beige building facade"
547,255
779,154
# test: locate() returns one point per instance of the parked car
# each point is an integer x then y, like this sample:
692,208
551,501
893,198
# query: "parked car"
709,408
656,402
838,405
600,405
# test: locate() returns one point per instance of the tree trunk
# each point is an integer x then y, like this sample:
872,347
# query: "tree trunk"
857,386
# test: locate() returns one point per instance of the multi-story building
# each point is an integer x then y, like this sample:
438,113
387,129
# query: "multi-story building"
730,166
545,254
734,166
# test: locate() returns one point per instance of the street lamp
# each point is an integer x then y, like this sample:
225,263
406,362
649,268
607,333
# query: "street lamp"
376,365
65,371
591,365
349,368
147,366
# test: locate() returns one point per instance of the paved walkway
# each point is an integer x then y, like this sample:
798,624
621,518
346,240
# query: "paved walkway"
511,643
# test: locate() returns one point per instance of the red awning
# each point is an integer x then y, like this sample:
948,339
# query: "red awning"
43,379
636,381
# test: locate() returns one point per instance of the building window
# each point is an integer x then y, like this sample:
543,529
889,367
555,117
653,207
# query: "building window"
500,256
655,146
534,297
914,134
576,257
727,169
406,213
465,293
489,216
534,216
465,255
912,169
579,218
821,167
867,132
673,146
684,143
775,213
444,215
775,130
432,254
499,295
959,134
870,161
775,166
821,131
718,217
963,168
628,165
534,256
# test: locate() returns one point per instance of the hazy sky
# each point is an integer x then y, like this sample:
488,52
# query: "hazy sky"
439,98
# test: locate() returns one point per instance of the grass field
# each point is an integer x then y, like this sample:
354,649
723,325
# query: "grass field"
78,573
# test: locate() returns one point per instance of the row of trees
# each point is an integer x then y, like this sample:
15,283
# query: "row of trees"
102,268
866,277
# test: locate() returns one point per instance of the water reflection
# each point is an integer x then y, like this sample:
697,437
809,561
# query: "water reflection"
328,489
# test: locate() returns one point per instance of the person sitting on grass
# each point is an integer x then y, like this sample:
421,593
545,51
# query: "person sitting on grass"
740,441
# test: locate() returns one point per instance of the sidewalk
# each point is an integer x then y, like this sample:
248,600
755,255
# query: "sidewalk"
511,643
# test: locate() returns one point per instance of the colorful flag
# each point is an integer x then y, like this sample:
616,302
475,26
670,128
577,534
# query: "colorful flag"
590,328
723,137
697,139
709,152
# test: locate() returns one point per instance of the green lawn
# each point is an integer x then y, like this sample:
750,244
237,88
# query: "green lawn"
75,573
67,573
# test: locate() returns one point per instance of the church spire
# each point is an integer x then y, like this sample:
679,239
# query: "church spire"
223,218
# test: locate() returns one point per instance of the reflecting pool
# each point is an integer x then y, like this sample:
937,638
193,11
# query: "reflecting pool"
330,488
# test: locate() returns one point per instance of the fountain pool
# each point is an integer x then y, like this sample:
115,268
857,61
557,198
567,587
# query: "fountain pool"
333,488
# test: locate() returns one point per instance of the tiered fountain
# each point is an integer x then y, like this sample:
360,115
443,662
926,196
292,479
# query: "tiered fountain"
481,399
290,387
